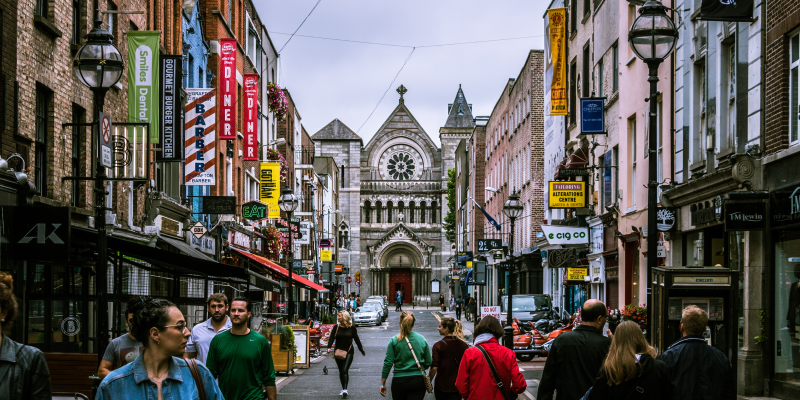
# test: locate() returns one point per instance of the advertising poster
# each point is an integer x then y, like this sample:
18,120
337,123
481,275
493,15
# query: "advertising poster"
170,129
558,88
302,341
325,331
269,178
199,137
227,89
143,77
250,117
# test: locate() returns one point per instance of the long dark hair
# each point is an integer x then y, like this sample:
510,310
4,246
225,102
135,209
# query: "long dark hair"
147,314
8,302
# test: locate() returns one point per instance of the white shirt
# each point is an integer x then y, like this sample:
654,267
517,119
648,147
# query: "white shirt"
200,340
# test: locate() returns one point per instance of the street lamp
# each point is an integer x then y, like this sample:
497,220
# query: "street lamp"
98,65
652,38
512,209
288,203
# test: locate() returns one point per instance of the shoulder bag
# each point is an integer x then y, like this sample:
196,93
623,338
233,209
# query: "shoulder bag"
458,362
340,354
499,383
198,380
428,386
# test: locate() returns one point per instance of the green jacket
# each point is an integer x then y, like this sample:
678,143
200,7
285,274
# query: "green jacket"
399,356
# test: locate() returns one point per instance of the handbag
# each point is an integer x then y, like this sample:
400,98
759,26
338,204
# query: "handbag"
339,354
458,362
198,381
428,386
494,372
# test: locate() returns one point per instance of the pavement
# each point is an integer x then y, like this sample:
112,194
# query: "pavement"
365,373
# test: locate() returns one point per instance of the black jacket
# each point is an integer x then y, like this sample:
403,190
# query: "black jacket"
651,384
23,372
698,371
573,363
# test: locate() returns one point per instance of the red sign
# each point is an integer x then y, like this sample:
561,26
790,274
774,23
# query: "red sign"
250,117
348,279
228,89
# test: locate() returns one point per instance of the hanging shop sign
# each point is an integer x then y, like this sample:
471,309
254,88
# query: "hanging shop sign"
41,233
250,117
170,129
572,172
463,257
254,210
485,245
169,226
745,216
558,89
270,187
199,230
556,234
726,10
567,194
228,89
325,243
577,274
143,76
304,235
284,227
338,268
199,137
562,258
593,116
327,255
785,207
665,218
239,239
205,244
219,205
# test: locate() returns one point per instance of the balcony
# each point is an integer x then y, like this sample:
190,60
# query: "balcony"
394,186
304,157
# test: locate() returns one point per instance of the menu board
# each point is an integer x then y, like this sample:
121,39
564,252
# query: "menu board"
301,341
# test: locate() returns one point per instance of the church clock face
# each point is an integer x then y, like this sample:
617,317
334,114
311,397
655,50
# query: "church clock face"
401,163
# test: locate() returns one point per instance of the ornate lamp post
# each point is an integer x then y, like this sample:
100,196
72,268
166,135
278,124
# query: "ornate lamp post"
288,203
512,208
98,65
652,38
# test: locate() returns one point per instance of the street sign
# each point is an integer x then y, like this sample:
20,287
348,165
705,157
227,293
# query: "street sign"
494,311
325,243
661,251
485,245
325,255
254,210
358,283
199,230
105,140
358,276
348,279
338,268
297,264
310,272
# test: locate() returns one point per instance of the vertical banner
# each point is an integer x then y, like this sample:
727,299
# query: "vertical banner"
250,119
227,89
143,76
558,89
170,129
270,181
199,137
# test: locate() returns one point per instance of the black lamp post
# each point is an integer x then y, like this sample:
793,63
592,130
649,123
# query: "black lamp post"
512,209
98,65
288,203
652,38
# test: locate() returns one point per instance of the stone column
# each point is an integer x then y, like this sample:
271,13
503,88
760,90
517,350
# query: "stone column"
750,371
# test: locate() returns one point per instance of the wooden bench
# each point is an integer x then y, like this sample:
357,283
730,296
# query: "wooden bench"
69,372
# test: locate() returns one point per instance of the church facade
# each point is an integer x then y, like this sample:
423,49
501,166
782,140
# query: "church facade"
393,201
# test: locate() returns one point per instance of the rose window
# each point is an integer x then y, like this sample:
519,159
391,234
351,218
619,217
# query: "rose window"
401,167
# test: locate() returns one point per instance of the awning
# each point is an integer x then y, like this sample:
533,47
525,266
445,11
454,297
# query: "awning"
185,248
282,271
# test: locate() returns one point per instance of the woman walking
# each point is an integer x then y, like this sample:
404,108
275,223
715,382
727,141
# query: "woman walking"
441,302
409,354
473,309
476,380
631,370
158,372
344,334
25,363
447,354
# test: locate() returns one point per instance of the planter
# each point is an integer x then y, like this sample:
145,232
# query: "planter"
282,359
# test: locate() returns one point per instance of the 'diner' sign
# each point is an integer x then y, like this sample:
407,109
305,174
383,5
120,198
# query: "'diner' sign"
567,194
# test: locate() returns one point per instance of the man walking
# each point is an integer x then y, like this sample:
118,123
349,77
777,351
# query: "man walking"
123,349
576,357
459,307
203,333
399,299
241,359
695,369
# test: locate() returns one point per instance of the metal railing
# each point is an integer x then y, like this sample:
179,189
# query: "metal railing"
304,155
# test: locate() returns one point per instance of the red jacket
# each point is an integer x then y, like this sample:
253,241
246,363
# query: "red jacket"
475,380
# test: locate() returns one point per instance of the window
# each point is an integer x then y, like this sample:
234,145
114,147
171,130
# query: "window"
573,71
191,72
112,20
600,78
379,208
730,132
586,7
632,161
230,14
43,100
573,18
794,78
201,82
43,7
367,212
78,143
631,18
607,161
76,21
586,63
614,68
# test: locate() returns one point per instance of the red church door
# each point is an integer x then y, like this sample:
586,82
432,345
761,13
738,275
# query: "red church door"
400,280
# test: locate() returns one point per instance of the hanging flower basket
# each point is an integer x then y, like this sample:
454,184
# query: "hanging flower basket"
274,155
276,100
275,243
635,313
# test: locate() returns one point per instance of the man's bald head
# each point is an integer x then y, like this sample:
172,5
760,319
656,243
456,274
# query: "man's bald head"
592,310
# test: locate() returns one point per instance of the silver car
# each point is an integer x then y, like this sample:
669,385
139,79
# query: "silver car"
367,315
378,306
384,304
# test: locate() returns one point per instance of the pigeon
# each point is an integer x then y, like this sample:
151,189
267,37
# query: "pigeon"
325,370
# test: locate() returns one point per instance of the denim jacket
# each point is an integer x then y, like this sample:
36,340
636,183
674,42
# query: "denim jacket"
131,382
23,372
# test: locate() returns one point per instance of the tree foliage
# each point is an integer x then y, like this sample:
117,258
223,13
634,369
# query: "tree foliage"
450,218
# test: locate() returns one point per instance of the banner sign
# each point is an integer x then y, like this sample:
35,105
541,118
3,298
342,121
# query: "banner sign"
576,274
567,194
228,89
171,77
143,76
785,206
270,180
562,258
250,117
745,216
219,205
199,136
593,116
727,10
556,234
558,89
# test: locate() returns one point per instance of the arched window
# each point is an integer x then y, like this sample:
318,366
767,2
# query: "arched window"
367,211
344,237
389,207
422,212
379,209
433,213
411,211
400,209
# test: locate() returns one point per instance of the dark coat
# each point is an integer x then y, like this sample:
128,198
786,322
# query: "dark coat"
651,384
573,363
23,372
698,371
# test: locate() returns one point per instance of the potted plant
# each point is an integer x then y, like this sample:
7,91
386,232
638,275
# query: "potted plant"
281,338
276,100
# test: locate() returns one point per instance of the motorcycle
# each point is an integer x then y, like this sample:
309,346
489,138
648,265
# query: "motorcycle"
536,339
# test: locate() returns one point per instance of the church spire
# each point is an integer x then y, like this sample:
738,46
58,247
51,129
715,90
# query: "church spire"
460,112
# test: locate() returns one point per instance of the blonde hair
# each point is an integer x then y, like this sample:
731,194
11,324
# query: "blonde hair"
620,365
453,326
346,321
407,320
694,320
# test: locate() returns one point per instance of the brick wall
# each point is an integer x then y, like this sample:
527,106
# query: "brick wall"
783,17
8,69
477,153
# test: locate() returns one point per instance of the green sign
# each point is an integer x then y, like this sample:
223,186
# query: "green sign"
143,80
254,210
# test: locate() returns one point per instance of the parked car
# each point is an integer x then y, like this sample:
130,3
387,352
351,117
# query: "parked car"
378,305
367,315
384,302
527,307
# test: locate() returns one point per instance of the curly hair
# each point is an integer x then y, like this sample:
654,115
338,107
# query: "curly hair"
147,314
8,302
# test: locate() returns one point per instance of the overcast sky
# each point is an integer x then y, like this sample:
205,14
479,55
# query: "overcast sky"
335,79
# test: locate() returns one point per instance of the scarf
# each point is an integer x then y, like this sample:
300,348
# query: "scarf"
483,337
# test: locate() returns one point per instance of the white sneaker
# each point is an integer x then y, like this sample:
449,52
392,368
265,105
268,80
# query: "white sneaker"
344,394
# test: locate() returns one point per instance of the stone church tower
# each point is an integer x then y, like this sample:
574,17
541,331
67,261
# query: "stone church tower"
392,198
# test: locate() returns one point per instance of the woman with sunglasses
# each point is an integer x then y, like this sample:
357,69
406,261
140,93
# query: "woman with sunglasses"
158,372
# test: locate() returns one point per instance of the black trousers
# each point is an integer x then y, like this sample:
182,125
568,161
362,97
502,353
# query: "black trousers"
458,313
344,369
408,388
440,395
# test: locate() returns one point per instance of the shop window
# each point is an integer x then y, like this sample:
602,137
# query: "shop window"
43,121
786,343
794,87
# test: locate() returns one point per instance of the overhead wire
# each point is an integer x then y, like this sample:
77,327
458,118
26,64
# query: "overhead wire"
387,89
407,46
298,28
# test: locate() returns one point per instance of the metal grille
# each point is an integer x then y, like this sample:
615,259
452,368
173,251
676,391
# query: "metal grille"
304,155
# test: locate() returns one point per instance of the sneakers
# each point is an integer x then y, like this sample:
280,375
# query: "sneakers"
344,393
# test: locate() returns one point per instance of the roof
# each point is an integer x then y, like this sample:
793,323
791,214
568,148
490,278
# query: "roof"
460,112
336,130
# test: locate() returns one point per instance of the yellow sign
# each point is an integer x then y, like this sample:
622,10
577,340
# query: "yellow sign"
469,264
326,255
558,87
576,274
270,181
567,194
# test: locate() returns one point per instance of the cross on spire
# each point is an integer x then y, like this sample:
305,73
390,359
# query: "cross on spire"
402,90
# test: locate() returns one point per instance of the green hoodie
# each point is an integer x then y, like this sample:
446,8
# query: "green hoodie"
399,355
